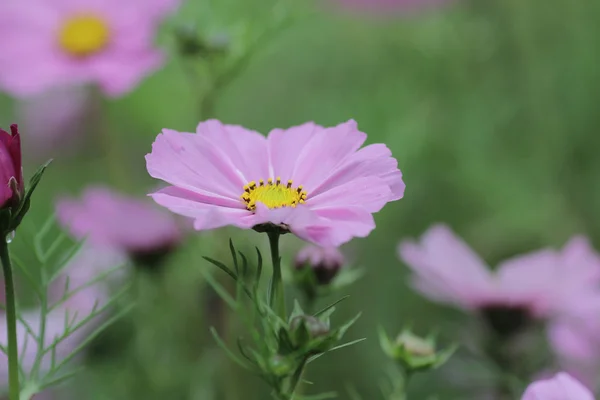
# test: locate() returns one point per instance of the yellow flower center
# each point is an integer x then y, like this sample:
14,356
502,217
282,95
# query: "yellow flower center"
83,35
272,194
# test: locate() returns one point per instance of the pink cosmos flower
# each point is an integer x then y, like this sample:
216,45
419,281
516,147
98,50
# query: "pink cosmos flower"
561,387
53,43
88,264
575,338
324,261
56,119
544,283
315,182
119,223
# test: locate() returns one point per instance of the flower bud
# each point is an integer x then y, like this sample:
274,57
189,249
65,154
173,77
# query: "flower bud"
11,169
325,262
280,365
312,326
414,353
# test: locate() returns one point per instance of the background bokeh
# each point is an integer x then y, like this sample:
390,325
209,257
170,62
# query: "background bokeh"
491,108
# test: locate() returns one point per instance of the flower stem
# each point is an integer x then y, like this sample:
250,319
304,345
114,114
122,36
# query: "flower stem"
296,378
11,323
276,294
400,391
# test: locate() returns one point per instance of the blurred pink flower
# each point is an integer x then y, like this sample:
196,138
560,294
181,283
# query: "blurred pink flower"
56,119
310,180
561,387
575,338
53,43
119,223
544,283
324,261
82,269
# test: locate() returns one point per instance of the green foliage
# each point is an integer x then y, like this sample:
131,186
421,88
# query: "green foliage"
277,350
48,369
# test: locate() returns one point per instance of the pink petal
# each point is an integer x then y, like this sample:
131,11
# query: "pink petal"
346,223
561,387
208,213
375,160
326,148
280,142
246,149
370,193
301,221
444,262
118,73
573,340
530,278
118,222
192,162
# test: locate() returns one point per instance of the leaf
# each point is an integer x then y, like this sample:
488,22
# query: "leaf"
90,337
38,239
243,351
344,328
226,349
222,267
321,396
219,289
244,264
330,306
26,202
297,311
234,257
353,393
65,260
385,342
259,266
341,346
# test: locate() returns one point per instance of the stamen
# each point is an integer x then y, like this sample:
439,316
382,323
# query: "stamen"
83,35
273,194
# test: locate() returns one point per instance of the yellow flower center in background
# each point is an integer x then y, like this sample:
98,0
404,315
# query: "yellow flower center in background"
273,194
83,35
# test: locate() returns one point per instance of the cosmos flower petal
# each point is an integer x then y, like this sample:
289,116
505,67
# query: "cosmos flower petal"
346,223
193,162
283,141
208,212
571,338
119,73
561,387
370,193
246,149
323,153
117,222
444,261
301,221
372,160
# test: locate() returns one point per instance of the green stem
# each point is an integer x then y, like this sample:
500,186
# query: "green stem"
42,336
296,378
276,294
401,389
11,324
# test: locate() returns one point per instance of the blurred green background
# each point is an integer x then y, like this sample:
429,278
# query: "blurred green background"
490,107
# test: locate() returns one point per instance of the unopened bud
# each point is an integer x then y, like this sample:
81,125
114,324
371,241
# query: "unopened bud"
313,326
325,262
414,353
